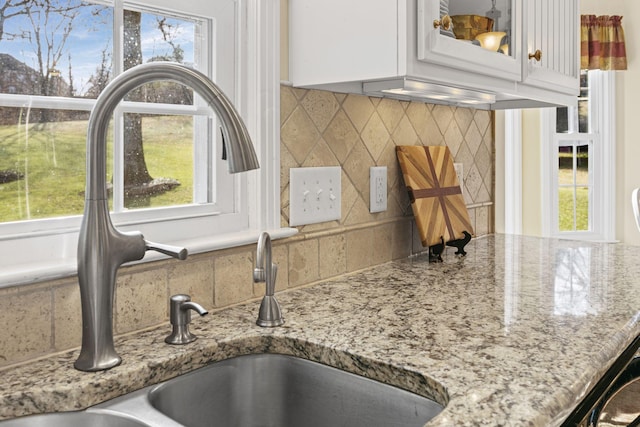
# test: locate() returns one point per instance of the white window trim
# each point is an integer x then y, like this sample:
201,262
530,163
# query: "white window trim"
260,88
513,171
603,122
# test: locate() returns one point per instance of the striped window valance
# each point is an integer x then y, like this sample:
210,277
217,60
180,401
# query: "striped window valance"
602,44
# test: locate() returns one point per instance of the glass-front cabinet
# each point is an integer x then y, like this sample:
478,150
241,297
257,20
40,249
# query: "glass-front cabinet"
533,42
480,35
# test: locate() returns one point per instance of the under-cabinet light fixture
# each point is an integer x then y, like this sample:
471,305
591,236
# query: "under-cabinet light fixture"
414,89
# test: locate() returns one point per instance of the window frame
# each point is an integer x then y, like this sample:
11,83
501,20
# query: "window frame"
602,137
34,253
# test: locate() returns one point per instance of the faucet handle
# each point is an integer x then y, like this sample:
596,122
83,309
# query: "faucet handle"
173,251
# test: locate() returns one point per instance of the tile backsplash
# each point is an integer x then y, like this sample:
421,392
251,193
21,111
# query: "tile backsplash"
318,128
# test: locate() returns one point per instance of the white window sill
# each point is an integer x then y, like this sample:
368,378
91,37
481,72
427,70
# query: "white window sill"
30,273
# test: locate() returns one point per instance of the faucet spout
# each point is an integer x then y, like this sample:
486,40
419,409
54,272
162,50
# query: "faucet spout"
266,271
264,265
101,247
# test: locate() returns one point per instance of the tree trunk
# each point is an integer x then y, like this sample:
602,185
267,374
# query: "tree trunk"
135,167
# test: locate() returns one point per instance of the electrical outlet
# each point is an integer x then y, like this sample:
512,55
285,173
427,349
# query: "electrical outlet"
460,174
314,195
378,189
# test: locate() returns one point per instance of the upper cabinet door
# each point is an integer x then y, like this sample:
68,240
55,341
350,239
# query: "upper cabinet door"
449,34
340,41
552,45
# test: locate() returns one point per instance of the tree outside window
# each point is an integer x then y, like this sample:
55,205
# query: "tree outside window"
55,58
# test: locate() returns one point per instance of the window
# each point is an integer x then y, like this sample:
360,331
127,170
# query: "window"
574,138
578,163
167,179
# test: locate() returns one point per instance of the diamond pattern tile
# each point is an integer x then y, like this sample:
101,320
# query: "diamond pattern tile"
359,213
286,162
473,138
443,116
473,182
489,183
320,128
321,106
488,140
349,195
284,209
357,169
419,116
299,93
483,121
483,195
299,134
388,158
391,112
422,121
359,108
288,103
321,155
404,133
483,160
453,138
464,117
341,135
375,135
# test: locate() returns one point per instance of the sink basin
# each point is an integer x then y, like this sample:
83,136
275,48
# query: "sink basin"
73,419
259,390
265,390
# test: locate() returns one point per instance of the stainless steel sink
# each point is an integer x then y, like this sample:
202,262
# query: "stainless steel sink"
74,419
260,390
264,390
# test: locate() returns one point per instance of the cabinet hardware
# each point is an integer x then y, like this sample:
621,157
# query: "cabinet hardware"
445,23
537,55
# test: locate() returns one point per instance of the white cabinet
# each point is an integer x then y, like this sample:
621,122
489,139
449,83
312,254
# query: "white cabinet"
392,48
552,34
333,41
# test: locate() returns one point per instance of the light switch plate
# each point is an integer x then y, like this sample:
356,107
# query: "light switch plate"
377,189
314,195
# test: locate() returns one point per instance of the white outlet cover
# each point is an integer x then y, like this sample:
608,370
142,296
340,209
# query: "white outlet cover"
377,189
314,195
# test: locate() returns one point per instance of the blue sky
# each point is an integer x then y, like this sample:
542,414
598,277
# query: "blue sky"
89,36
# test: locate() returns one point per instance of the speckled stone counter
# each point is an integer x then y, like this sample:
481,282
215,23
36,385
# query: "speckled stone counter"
515,333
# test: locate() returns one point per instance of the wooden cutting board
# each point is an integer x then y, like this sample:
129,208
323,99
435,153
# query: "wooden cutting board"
436,197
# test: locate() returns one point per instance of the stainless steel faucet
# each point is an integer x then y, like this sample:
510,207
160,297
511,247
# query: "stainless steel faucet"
266,271
101,247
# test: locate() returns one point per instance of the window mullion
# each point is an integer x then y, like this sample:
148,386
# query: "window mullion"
202,164
574,166
117,175
118,25
118,161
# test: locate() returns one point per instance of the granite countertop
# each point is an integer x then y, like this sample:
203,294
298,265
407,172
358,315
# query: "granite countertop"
515,333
